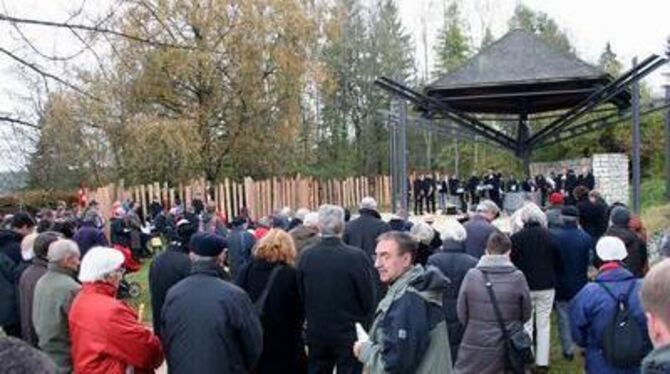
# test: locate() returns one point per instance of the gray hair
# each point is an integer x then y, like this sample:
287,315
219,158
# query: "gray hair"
91,216
368,203
453,230
331,220
422,233
301,214
311,220
487,206
62,249
286,211
532,213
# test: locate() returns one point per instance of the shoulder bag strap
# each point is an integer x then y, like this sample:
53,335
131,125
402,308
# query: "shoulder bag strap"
607,290
496,308
260,303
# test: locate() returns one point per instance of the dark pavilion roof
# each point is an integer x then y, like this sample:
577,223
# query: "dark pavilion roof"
521,73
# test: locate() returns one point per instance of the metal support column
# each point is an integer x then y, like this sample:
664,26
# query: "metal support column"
667,141
636,143
392,164
522,137
402,145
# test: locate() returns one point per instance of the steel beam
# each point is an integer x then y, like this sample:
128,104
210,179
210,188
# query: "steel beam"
614,88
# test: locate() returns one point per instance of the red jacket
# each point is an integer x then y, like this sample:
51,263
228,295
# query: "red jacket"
107,336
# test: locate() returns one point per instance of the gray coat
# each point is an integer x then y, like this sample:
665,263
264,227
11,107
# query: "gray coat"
26,290
54,293
481,350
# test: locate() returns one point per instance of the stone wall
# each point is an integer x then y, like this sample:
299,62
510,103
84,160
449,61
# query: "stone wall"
611,173
609,169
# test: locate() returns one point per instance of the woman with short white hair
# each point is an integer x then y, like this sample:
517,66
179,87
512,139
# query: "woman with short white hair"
424,234
107,335
454,263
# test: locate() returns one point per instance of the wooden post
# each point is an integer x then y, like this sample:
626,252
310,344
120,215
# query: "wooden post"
171,195
143,198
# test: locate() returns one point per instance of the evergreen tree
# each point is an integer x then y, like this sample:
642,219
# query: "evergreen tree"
487,39
542,25
453,45
608,61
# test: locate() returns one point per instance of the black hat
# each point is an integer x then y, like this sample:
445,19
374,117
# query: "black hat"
208,245
570,211
620,216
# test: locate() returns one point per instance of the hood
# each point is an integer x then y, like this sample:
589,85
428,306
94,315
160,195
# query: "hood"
429,284
9,236
658,361
496,264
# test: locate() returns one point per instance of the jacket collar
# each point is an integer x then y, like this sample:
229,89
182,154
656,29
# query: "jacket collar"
40,262
52,266
331,240
658,361
369,212
613,271
207,268
496,263
453,246
102,288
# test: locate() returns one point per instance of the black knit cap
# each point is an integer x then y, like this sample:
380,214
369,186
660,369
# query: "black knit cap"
208,245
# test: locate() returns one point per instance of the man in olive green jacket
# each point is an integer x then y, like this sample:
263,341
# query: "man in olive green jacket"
409,334
54,293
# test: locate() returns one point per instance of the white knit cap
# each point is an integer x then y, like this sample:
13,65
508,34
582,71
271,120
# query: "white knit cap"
611,248
99,261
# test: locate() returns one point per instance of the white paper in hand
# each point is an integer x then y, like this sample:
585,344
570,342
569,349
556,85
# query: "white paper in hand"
361,335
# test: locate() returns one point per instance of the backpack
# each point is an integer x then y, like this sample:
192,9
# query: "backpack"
623,343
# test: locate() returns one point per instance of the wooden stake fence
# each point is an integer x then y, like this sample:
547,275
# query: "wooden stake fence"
259,197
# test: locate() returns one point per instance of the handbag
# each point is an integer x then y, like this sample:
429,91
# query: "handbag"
516,341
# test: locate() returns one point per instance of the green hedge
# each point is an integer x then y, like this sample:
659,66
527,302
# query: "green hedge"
33,200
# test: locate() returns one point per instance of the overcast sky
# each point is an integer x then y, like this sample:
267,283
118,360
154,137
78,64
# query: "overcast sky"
634,28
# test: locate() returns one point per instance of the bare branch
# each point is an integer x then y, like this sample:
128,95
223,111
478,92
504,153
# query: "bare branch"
98,29
17,121
47,74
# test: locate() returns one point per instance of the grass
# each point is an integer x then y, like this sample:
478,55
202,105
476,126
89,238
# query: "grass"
652,194
142,277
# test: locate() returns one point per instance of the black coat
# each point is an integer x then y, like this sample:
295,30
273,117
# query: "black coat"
209,325
9,308
337,287
119,232
534,253
364,230
283,316
454,263
167,269
10,245
592,217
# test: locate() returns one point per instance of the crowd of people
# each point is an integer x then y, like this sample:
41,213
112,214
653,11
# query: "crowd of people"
314,291
450,190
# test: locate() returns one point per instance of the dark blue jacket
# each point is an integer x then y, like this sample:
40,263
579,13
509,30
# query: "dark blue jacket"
591,311
209,325
167,269
478,229
240,243
89,236
573,245
454,263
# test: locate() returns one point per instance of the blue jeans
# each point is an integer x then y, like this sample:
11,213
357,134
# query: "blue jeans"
563,314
